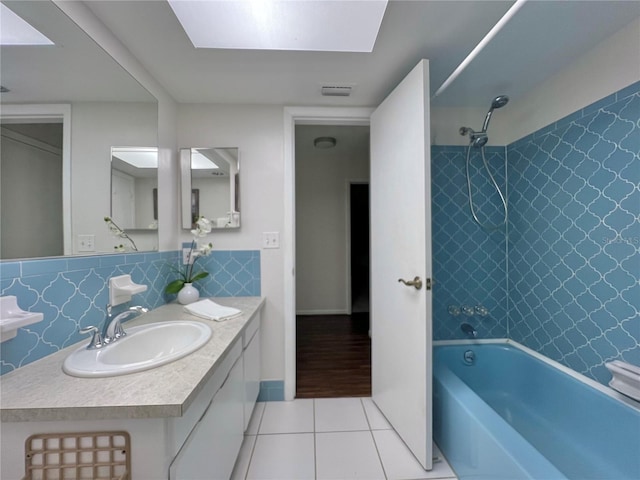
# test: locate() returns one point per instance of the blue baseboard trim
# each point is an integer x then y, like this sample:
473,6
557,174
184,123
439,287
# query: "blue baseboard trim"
271,391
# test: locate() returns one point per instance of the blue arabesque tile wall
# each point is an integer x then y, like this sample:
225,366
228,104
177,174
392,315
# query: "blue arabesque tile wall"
72,292
571,288
469,262
574,236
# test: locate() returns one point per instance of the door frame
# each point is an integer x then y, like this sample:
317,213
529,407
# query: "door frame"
302,116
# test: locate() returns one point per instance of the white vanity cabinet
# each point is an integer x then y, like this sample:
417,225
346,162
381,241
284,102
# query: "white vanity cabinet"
211,448
186,419
251,366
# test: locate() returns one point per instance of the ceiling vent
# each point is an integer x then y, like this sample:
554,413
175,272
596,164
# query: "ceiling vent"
336,90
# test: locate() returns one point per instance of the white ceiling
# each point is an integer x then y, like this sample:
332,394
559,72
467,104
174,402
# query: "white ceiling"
541,39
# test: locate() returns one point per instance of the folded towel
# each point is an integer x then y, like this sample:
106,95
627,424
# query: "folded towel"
212,311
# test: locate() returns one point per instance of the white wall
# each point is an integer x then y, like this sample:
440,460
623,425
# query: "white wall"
257,131
607,68
322,181
96,127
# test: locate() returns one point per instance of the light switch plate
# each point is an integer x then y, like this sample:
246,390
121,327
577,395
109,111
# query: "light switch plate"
271,240
86,243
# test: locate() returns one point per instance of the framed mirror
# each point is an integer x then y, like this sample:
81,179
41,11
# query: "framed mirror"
210,186
134,187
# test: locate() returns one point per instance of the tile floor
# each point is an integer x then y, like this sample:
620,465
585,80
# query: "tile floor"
327,438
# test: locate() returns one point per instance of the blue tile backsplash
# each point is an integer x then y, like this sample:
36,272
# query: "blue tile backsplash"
72,292
566,280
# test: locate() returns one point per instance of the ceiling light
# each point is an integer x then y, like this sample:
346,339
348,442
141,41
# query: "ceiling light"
15,31
324,142
312,25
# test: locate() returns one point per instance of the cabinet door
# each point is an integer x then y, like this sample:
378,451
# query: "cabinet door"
251,376
212,447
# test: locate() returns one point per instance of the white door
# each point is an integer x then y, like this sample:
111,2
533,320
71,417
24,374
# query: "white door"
401,249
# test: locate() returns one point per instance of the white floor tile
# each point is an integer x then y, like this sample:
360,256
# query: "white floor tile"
375,417
256,417
399,463
442,466
283,457
244,457
287,417
347,455
340,415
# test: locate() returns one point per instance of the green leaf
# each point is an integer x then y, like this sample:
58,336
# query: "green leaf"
174,287
198,276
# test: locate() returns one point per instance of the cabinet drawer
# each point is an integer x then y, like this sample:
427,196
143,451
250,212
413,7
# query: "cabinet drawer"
180,427
211,449
251,357
251,329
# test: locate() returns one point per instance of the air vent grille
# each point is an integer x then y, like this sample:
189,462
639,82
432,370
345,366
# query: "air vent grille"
335,90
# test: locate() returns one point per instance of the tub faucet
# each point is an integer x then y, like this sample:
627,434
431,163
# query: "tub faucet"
469,330
112,329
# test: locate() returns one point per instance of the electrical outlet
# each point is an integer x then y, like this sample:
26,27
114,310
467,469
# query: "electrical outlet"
86,243
270,240
185,256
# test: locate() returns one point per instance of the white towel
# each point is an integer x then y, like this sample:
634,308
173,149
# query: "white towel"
212,311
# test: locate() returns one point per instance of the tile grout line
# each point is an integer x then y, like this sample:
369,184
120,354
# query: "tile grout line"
375,444
253,448
315,453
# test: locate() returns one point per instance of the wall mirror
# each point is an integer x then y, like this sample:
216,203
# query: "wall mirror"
134,187
64,107
210,186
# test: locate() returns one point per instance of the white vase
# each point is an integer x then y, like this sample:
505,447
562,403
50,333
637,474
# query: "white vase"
188,294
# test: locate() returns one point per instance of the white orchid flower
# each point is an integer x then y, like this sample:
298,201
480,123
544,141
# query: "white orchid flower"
205,250
203,227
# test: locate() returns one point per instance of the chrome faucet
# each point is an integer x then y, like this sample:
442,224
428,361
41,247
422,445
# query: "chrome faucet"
112,329
469,330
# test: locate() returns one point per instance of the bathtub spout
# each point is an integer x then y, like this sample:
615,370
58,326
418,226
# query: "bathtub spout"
469,330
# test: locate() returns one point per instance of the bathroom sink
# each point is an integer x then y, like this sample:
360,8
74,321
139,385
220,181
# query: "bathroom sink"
144,347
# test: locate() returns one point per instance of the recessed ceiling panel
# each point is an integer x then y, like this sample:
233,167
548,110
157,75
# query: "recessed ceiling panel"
310,25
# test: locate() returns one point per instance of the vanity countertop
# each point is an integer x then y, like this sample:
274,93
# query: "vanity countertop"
41,391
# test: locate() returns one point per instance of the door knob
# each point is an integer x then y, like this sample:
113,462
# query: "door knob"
416,282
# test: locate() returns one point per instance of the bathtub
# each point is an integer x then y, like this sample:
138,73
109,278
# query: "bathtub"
510,415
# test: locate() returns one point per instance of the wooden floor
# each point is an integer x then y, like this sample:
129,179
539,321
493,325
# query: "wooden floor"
333,355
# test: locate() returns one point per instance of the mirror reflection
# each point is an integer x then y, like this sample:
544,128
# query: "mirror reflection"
134,187
31,161
94,104
210,186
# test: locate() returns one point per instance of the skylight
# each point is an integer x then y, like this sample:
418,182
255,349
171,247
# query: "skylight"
15,31
312,25
137,157
200,162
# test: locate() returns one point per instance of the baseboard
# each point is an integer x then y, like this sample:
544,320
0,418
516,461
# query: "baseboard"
323,312
271,391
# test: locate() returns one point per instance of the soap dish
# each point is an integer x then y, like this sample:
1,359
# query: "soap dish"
122,288
13,317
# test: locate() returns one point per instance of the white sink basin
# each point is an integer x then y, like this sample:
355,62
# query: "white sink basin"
144,347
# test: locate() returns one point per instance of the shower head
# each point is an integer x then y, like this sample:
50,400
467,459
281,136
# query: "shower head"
498,102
